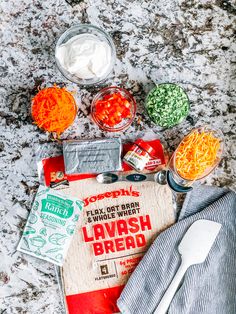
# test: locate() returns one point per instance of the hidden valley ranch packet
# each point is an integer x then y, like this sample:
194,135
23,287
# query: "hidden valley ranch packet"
50,225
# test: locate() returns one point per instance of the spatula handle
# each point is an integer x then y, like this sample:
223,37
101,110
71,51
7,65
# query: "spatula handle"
170,292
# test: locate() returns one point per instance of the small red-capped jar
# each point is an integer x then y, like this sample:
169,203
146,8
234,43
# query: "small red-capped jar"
139,155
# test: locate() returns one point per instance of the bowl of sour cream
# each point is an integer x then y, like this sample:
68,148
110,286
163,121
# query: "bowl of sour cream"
85,54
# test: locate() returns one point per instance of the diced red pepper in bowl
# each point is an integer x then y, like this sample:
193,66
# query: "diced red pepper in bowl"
112,109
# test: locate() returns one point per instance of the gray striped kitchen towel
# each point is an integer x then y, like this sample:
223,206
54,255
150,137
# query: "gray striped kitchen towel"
208,288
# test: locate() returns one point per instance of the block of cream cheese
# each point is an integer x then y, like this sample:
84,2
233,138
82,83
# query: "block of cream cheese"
92,156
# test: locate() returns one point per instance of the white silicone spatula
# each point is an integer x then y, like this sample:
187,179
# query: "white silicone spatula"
193,249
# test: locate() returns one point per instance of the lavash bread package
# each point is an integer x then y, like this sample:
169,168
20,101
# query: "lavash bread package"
118,223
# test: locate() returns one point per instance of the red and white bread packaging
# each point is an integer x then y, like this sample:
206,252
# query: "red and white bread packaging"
118,223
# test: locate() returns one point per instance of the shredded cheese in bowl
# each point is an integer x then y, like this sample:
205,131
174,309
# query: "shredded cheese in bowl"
198,153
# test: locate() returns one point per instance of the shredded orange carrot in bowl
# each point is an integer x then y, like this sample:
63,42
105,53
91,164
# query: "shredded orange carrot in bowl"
197,154
54,109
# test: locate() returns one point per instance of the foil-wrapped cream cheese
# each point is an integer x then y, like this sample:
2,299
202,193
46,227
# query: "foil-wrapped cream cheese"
92,156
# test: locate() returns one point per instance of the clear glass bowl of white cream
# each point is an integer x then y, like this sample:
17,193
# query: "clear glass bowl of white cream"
85,54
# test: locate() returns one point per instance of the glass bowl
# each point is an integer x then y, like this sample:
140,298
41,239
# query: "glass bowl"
165,106
102,36
217,133
126,122
47,128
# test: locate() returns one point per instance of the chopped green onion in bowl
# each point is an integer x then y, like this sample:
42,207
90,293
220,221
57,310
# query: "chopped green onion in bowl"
167,104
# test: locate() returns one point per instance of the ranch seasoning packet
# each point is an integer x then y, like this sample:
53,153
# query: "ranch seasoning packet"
50,225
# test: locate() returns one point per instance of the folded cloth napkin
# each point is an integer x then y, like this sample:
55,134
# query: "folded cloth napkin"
209,287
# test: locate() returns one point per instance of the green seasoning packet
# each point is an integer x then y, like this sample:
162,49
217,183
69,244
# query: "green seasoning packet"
50,225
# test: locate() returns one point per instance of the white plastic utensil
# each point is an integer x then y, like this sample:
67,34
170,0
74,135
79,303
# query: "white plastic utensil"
193,249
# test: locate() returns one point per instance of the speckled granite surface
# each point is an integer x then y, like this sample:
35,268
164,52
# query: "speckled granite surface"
188,41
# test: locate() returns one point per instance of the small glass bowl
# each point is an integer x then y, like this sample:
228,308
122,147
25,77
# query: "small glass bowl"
126,122
172,164
170,124
75,109
86,29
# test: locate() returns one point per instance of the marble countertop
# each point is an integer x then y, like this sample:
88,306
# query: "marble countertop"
187,42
